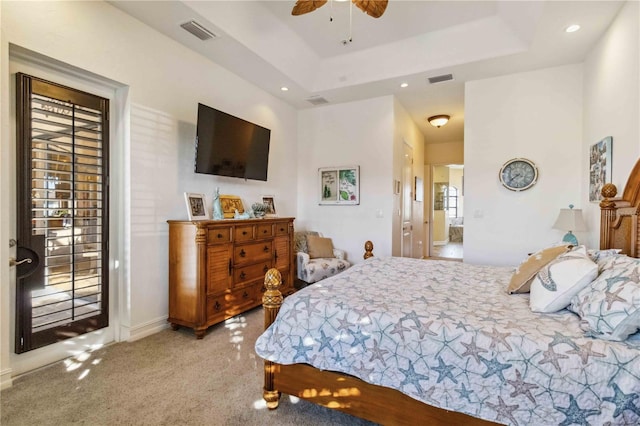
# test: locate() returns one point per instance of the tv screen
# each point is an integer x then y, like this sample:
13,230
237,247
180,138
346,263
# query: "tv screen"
230,146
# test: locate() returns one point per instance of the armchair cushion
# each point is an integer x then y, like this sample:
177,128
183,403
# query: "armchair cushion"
314,270
300,240
319,247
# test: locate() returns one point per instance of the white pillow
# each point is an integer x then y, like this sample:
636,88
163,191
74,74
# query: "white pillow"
561,279
609,308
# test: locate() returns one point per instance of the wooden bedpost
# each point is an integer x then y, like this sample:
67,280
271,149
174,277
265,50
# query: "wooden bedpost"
607,214
271,301
368,250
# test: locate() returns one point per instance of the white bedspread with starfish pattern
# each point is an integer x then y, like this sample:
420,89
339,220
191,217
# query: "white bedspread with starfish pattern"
447,334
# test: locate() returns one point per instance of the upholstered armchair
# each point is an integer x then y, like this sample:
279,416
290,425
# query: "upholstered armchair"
316,257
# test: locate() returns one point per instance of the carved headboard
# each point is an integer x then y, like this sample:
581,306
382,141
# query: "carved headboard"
619,216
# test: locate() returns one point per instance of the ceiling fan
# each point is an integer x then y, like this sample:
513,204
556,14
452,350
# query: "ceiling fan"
373,8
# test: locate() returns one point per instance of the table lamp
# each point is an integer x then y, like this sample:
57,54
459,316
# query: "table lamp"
570,220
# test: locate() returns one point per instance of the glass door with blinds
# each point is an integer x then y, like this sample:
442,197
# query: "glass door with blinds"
62,212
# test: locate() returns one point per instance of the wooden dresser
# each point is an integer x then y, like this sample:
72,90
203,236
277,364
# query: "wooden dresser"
217,267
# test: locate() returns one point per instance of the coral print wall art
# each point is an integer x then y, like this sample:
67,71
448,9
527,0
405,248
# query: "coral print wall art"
339,185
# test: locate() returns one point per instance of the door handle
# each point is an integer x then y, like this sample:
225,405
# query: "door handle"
14,262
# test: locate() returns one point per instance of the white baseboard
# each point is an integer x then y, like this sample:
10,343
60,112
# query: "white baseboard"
441,243
146,329
5,379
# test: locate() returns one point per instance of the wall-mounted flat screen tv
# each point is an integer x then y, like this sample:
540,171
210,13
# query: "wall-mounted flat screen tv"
230,146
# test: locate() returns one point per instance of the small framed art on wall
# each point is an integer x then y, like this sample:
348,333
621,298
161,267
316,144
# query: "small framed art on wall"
339,185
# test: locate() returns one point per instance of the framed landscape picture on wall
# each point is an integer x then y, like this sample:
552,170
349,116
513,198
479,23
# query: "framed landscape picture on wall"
339,185
599,167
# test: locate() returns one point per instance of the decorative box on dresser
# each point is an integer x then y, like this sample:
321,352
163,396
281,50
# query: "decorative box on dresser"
217,267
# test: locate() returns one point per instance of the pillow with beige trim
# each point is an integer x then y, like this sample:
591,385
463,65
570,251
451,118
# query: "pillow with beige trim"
319,247
561,279
526,272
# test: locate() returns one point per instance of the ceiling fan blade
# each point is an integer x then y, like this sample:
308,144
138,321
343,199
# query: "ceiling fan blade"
373,8
305,6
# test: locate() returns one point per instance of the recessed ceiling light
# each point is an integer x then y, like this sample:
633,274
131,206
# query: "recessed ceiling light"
403,85
284,88
572,28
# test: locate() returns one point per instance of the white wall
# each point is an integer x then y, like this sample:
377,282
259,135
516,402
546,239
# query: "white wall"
612,104
444,153
355,133
165,82
536,115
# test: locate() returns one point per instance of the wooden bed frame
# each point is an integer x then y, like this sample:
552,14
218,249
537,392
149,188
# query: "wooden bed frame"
618,229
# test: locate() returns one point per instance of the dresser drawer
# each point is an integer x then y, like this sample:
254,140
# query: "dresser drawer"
250,273
264,231
219,235
242,299
282,228
216,308
250,253
243,233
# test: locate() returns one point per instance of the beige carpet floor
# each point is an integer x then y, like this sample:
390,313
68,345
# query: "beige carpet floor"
169,378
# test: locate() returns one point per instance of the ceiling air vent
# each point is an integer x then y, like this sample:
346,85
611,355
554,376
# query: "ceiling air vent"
317,100
198,30
440,78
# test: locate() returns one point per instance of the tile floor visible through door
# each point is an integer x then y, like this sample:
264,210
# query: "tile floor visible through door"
448,251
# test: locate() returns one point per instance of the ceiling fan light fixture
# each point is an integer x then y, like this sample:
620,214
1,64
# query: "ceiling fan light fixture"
438,120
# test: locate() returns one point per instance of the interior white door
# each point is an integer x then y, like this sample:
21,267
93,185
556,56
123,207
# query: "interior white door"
407,199
427,209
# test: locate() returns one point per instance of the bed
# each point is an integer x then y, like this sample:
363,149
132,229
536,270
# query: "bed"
367,343
456,230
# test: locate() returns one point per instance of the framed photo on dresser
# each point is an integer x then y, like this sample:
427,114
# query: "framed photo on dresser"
196,206
267,200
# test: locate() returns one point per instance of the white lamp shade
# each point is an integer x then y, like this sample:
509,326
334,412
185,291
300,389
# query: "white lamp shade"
570,220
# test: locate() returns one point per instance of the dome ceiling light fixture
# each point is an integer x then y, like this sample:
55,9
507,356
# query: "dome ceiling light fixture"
438,120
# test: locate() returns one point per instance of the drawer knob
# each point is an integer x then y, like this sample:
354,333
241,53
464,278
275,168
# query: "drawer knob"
242,253
264,231
245,295
281,229
242,275
219,235
244,232
217,306
265,269
266,249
